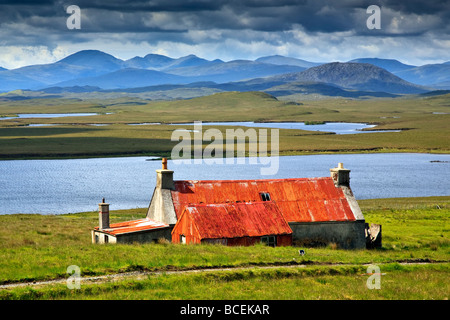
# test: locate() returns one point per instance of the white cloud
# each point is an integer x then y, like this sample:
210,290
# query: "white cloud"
12,57
244,44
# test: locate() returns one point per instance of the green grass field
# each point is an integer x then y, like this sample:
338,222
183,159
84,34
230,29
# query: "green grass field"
422,129
415,231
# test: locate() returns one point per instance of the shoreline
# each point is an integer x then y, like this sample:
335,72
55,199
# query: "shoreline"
360,201
158,156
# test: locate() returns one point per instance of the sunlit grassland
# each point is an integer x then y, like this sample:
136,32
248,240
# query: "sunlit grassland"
421,129
41,247
398,282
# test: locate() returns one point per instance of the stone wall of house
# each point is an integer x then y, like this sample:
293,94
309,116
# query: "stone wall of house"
344,234
147,236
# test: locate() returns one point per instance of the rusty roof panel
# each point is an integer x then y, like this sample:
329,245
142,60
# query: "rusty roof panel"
231,220
301,200
133,226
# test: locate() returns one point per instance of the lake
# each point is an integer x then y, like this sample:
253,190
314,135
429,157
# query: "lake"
78,185
336,127
48,115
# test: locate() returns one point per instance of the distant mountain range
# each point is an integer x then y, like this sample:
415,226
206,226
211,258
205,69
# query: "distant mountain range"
93,70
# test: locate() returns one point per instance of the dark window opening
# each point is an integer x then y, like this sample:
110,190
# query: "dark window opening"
106,239
270,241
265,196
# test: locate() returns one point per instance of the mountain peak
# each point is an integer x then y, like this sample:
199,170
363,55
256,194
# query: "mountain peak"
282,60
187,61
96,60
150,61
87,54
390,65
354,75
189,56
157,57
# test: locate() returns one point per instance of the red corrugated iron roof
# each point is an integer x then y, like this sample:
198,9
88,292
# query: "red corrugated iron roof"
133,226
299,200
233,220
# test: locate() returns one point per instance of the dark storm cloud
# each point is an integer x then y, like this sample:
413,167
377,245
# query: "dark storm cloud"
182,15
233,28
26,2
418,6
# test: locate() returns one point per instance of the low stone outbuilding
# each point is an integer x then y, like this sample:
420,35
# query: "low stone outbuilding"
140,230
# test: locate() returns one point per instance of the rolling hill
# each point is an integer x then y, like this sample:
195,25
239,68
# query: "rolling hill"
281,60
429,74
11,81
150,61
126,78
355,76
433,75
390,65
87,63
187,61
323,89
95,60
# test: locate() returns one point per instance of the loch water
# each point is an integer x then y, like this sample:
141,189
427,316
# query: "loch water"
78,185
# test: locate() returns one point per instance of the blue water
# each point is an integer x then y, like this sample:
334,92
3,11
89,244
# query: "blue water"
336,127
65,186
48,115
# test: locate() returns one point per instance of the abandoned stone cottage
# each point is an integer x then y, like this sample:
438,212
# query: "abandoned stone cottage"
278,212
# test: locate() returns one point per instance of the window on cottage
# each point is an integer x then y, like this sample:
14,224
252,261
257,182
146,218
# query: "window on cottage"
265,196
183,239
106,238
270,241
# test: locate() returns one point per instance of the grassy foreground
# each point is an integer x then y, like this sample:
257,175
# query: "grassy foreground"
41,247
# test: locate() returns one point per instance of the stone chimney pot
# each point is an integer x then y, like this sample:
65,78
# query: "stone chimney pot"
103,215
340,175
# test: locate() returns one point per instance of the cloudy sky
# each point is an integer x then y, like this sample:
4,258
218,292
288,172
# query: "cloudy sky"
415,32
